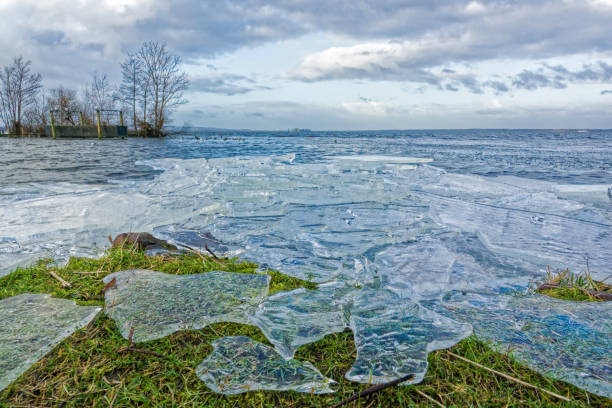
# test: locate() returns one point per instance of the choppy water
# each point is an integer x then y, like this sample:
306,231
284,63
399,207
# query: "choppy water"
420,236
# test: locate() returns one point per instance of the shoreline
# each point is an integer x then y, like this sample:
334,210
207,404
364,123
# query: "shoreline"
105,375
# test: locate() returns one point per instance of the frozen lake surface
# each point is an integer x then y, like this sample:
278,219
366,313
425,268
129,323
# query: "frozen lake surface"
418,238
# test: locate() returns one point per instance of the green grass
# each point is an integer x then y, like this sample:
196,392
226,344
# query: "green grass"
86,369
571,286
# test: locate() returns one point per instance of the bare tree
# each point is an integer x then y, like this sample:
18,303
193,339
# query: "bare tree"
36,115
18,90
64,100
129,91
99,95
164,80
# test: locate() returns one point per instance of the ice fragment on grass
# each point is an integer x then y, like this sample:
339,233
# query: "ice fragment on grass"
567,340
156,304
240,364
31,325
292,319
393,337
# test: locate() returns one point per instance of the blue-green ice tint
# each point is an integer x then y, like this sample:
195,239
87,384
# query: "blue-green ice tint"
155,304
393,342
292,319
567,340
240,364
31,325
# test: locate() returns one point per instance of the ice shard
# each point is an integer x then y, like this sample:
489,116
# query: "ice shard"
566,340
393,337
240,364
292,319
31,325
155,304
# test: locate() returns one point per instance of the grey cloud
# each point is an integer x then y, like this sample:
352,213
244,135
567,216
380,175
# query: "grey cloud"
451,88
225,84
450,32
559,76
497,86
531,80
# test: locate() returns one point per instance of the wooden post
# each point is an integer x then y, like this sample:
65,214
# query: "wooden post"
81,119
120,118
99,124
52,124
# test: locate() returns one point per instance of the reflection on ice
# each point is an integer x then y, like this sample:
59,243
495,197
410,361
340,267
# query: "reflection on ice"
155,304
240,364
31,325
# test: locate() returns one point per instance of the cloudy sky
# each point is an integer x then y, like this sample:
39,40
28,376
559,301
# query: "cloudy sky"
342,64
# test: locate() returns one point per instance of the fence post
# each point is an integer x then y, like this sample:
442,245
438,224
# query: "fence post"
52,124
99,124
81,119
120,118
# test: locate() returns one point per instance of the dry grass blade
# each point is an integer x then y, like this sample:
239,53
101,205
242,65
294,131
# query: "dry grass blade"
421,393
59,278
509,377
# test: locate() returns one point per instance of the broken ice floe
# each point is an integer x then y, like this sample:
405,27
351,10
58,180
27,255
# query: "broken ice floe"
569,341
31,325
292,319
155,304
240,364
393,341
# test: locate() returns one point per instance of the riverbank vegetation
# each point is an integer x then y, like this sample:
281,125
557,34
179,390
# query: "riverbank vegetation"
577,287
87,368
152,87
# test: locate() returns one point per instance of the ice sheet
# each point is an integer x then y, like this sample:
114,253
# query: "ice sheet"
31,325
156,304
240,364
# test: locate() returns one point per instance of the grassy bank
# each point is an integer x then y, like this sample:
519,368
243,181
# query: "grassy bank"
86,369
579,287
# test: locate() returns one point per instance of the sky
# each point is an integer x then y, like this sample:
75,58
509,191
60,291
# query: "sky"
341,64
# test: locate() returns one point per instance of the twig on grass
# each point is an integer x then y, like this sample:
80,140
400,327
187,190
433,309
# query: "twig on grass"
64,283
109,285
509,377
210,252
372,390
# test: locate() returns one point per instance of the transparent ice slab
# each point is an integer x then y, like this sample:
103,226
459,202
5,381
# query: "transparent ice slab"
566,340
545,239
292,319
156,304
393,337
240,364
31,325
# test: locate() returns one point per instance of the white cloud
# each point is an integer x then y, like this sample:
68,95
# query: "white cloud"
475,7
369,108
